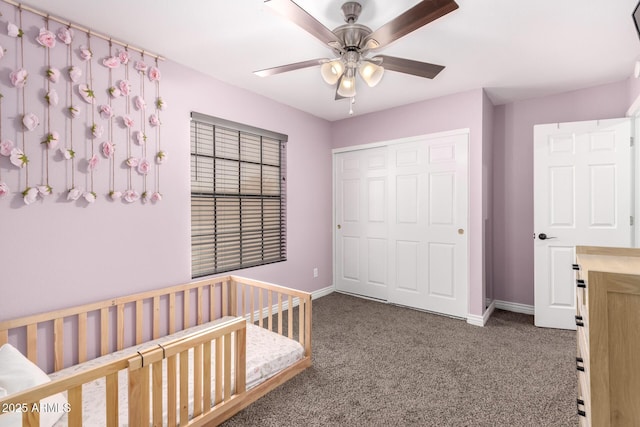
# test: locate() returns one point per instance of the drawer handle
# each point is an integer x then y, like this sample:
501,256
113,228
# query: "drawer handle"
580,364
580,412
580,283
579,321
576,266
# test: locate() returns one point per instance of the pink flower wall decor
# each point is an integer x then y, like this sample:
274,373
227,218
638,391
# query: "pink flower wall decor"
111,62
123,56
13,30
4,189
45,190
52,140
52,98
74,194
139,103
53,74
6,146
154,120
144,166
127,121
161,104
18,158
67,154
75,73
18,78
114,92
156,197
115,195
74,111
46,38
131,196
125,87
65,35
154,74
30,121
108,149
132,162
2,51
30,194
161,157
144,197
90,196
106,112
97,130
85,53
92,164
140,66
139,137
87,93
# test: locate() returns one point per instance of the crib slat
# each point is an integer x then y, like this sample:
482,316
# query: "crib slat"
185,310
120,327
199,306
172,312
233,299
139,320
171,390
82,337
31,418
218,388
4,337
58,341
112,400
280,313
307,326
74,397
206,377
290,317
301,322
197,380
156,317
32,343
227,367
251,306
225,299
269,314
212,302
241,375
104,331
144,398
156,373
260,307
242,300
184,387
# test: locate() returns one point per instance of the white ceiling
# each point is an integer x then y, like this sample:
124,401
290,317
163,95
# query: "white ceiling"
515,49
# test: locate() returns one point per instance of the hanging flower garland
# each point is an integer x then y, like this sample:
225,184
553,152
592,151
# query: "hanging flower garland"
65,35
140,137
161,156
48,40
124,89
106,112
88,95
5,150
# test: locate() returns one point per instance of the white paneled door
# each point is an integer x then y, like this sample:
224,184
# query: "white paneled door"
401,223
582,196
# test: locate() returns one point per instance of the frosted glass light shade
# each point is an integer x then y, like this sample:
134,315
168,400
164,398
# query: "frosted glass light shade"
347,86
332,71
371,73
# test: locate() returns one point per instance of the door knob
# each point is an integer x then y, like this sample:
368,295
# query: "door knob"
543,236
339,226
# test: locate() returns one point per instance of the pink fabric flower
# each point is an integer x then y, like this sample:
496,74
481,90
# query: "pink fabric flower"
140,66
53,74
74,194
19,77
52,140
45,190
75,73
144,166
97,130
105,111
52,97
18,158
125,87
154,120
139,103
131,196
6,146
132,162
92,163
127,121
74,110
2,51
115,195
139,137
108,149
13,30
123,56
67,154
144,197
114,92
161,157
4,189
161,104
30,121
87,93
46,38
30,195
154,74
90,196
111,62
156,197
85,53
65,35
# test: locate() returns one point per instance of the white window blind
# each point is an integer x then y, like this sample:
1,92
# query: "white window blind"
238,198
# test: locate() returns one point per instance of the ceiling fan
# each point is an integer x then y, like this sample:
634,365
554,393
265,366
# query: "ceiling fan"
352,43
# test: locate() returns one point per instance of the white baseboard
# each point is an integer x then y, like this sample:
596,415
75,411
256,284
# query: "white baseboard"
474,319
285,303
514,307
322,292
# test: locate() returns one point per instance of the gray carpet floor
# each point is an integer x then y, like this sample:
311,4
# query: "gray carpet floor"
376,364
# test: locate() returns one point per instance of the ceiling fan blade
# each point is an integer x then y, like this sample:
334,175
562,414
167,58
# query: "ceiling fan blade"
414,18
301,18
289,67
408,66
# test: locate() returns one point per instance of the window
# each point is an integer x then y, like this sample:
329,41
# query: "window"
238,201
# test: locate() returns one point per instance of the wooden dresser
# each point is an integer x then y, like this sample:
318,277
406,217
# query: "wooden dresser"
608,328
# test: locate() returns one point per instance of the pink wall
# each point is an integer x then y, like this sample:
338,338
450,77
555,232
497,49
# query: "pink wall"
55,253
458,111
513,176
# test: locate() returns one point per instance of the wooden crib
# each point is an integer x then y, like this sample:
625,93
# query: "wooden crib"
217,352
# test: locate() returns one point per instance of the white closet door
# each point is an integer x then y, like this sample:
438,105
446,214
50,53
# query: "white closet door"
361,202
428,217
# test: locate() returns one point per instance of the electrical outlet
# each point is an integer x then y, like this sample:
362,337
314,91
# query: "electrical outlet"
315,272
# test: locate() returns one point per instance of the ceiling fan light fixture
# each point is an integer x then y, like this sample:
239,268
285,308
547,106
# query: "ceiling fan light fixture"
371,73
347,87
332,71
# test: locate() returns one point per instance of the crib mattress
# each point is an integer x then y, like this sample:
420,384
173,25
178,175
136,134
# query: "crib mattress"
267,354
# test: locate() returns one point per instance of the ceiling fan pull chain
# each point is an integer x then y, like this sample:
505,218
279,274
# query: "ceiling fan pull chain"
353,101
